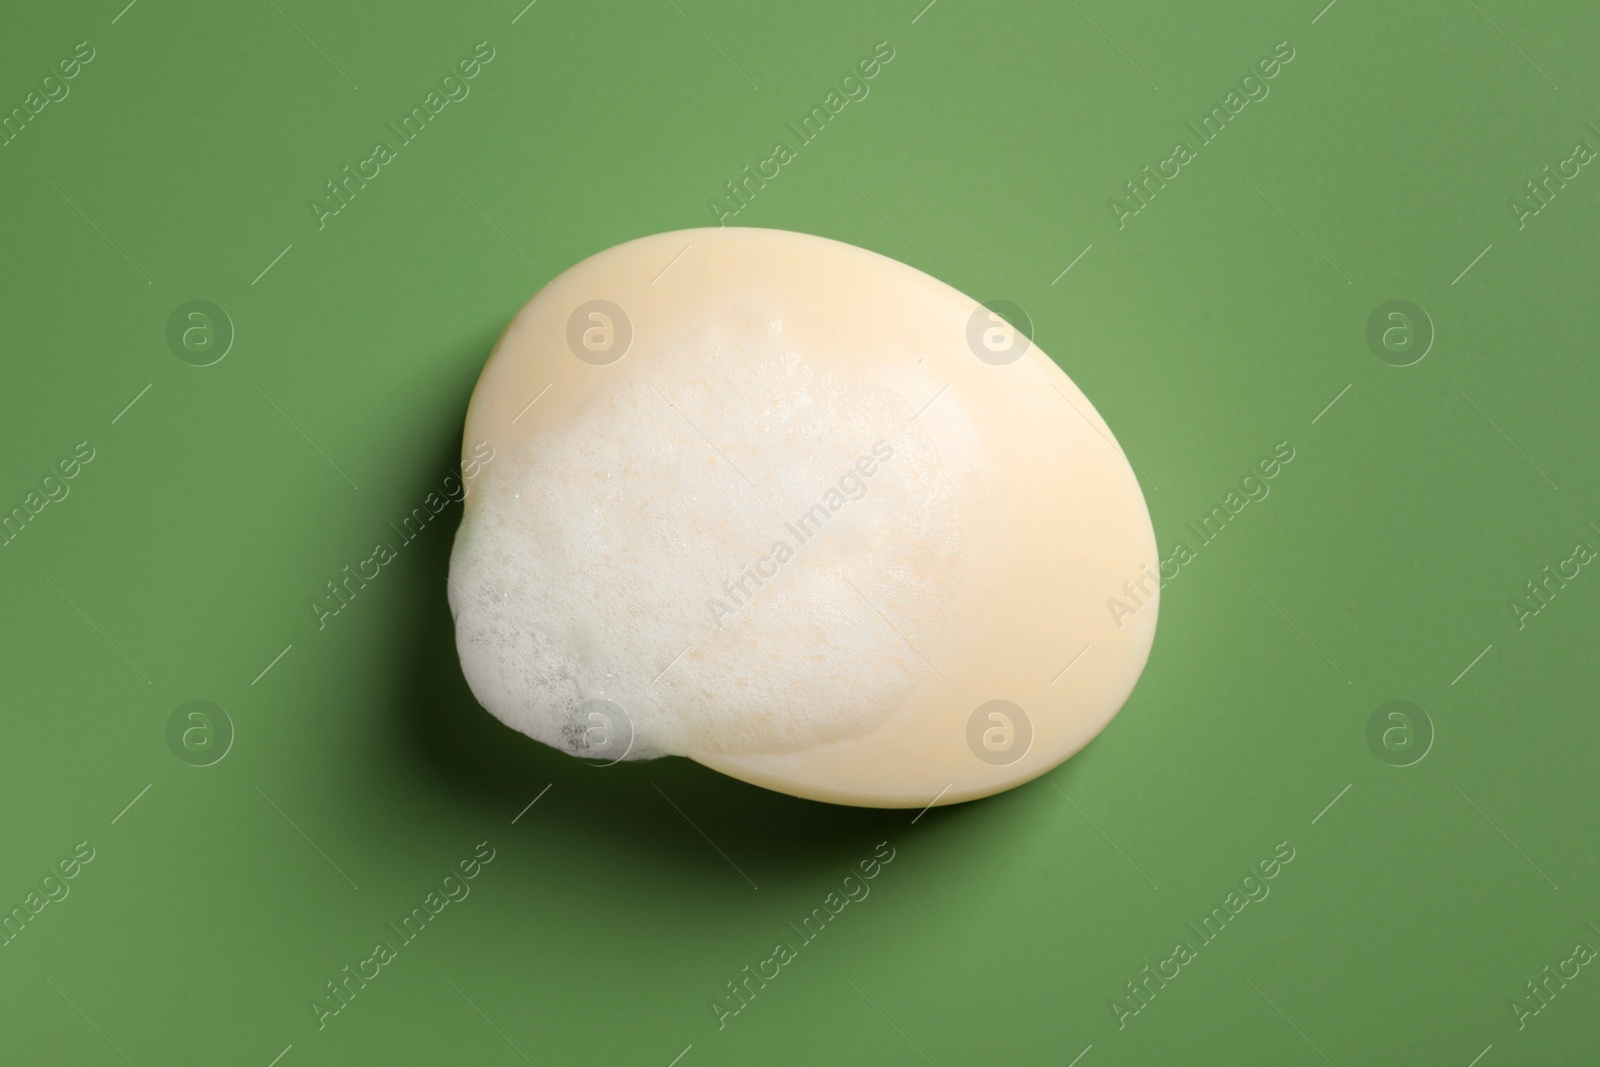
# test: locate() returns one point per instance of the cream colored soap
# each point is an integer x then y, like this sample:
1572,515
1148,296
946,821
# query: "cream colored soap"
801,513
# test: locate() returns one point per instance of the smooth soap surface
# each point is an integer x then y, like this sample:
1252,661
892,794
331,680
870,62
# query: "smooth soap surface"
799,512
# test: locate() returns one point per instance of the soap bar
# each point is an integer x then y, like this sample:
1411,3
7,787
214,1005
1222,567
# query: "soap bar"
801,513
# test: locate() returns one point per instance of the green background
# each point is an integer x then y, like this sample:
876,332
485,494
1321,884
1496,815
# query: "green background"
1219,321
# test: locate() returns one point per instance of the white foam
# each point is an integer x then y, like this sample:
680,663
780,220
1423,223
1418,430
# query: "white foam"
592,566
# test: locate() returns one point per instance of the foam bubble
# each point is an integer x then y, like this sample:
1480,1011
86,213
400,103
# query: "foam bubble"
742,553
